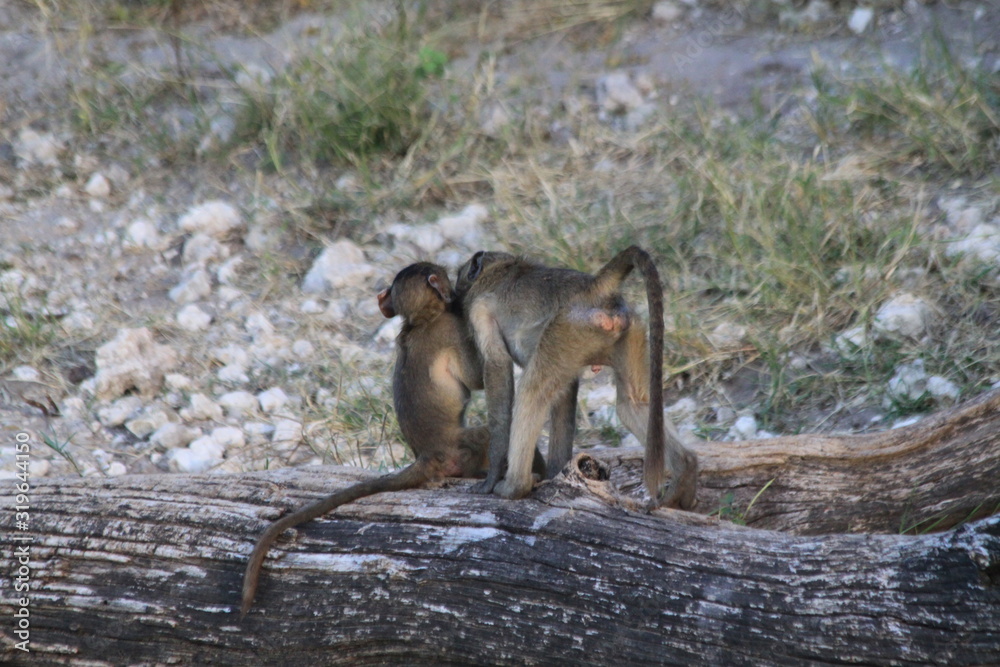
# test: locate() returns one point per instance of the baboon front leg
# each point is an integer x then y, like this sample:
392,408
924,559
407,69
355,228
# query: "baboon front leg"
498,380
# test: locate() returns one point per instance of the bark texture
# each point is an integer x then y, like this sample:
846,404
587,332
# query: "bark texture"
147,569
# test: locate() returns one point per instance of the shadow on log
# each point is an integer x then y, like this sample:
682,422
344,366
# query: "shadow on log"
147,569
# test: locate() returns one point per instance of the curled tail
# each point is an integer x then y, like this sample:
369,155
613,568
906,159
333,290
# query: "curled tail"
609,279
410,477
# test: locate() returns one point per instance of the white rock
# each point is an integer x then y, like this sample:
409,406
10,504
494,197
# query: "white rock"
202,407
39,467
37,148
208,446
327,399
173,435
667,12
233,374
231,354
909,382
193,318
724,414
73,408
287,433
428,238
961,216
905,315
983,243
602,395
258,432
616,94
194,286
727,336
200,249
229,271
116,469
228,436
68,225
493,118
118,412
258,326
389,331
131,360
683,409
465,227
942,388
191,461
311,307
215,218
745,428
347,182
178,382
340,265
26,374
303,349
143,234
78,322
11,281
860,19
238,403
850,341
146,423
98,186
272,400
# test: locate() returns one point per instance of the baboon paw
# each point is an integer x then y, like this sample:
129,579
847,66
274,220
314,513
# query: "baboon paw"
682,496
511,491
483,487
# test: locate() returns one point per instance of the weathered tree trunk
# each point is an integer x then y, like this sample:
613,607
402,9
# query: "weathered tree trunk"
148,569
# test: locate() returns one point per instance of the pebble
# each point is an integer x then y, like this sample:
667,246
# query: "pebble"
904,315
860,19
98,186
173,435
340,265
193,318
142,234
202,407
131,360
215,218
194,286
272,400
37,148
119,411
238,403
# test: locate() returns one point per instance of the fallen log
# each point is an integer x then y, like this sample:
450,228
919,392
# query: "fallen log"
147,569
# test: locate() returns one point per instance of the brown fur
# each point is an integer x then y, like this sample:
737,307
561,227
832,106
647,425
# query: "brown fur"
551,322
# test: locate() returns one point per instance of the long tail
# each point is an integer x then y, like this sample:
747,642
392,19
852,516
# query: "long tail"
609,279
410,477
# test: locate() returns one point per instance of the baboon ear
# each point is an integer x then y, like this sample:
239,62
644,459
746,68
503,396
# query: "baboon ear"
385,303
475,266
440,286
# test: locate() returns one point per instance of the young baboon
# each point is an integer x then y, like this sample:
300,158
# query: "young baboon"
436,367
551,322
